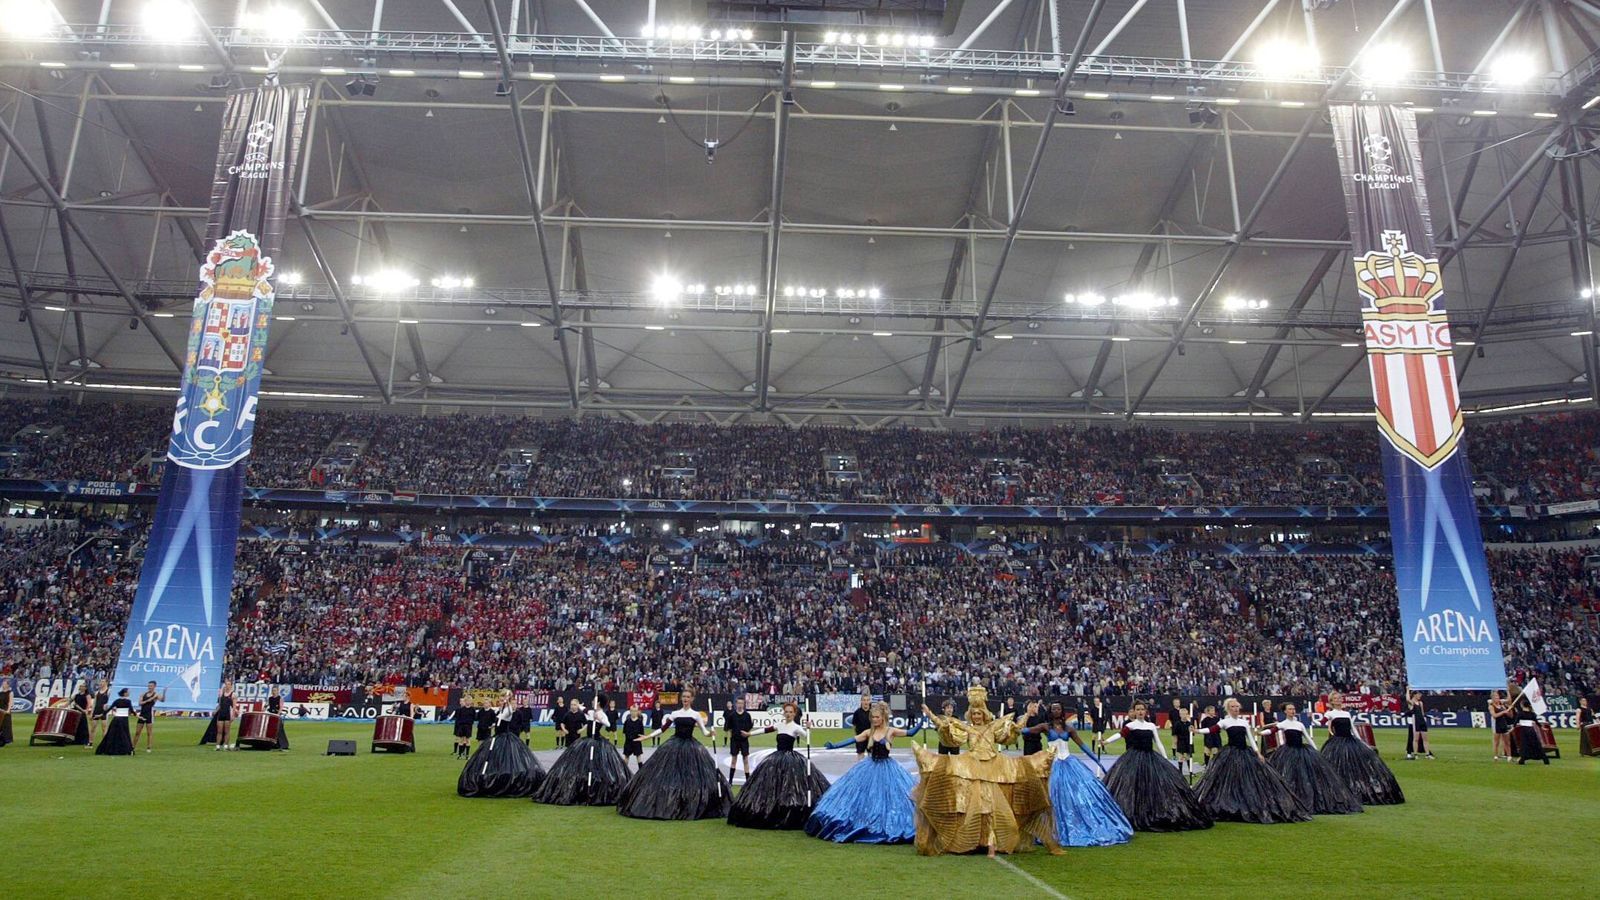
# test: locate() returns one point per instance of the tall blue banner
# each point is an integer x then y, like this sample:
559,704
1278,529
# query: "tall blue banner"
1447,617
178,625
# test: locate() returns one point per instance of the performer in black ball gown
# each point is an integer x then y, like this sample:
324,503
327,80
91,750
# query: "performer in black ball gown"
590,771
5,712
738,725
1362,769
784,788
1239,786
462,719
502,766
275,707
1149,789
116,741
680,780
633,729
1312,779
147,715
1526,734
81,702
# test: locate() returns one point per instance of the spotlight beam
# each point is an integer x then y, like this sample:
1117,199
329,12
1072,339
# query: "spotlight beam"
531,182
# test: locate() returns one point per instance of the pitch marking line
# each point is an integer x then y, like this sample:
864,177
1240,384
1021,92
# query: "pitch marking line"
1031,878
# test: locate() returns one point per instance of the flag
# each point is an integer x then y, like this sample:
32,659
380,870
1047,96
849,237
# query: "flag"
1535,695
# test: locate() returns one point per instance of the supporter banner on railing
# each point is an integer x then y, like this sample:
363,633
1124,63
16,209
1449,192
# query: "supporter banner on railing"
178,625
1447,613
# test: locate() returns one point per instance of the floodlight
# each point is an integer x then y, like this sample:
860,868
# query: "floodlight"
26,18
666,289
276,23
1286,59
1513,69
168,19
1385,64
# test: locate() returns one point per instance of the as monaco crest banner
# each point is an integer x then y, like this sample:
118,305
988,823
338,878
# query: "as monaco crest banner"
178,625
1447,618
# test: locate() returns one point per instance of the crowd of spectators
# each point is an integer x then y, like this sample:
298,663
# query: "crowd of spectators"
1537,460
791,616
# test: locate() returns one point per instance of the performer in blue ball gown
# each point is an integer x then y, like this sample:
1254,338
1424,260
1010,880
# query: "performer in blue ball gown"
1085,813
871,803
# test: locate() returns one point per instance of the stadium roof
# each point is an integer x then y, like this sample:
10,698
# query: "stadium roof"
1175,169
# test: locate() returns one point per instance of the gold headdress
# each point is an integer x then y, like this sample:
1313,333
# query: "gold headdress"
977,695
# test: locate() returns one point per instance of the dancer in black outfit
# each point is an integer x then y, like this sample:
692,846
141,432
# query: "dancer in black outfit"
680,780
860,721
1500,713
558,720
1419,727
1526,735
590,771
784,787
1149,789
1312,779
147,715
102,706
1362,769
949,710
1033,725
1239,786
486,724
633,728
738,724
1182,740
116,741
224,716
80,702
1210,739
463,718
502,766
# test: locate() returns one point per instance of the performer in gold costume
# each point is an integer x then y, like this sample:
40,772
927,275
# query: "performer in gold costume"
981,798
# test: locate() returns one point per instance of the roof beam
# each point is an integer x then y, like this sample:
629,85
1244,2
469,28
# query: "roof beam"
1169,205
185,227
1028,181
1307,291
1577,210
65,216
580,283
343,302
27,302
1523,226
769,266
1260,205
530,180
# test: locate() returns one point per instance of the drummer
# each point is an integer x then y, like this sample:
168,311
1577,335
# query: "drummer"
402,709
275,707
147,714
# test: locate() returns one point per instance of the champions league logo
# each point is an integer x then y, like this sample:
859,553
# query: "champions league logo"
257,161
216,411
1380,174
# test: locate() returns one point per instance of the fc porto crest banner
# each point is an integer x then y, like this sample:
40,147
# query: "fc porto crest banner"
178,626
1452,640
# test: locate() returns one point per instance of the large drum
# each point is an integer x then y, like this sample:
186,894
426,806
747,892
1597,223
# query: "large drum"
1364,732
1592,732
1271,741
1547,739
393,734
259,730
56,725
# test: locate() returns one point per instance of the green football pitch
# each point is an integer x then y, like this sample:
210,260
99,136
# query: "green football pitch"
187,821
